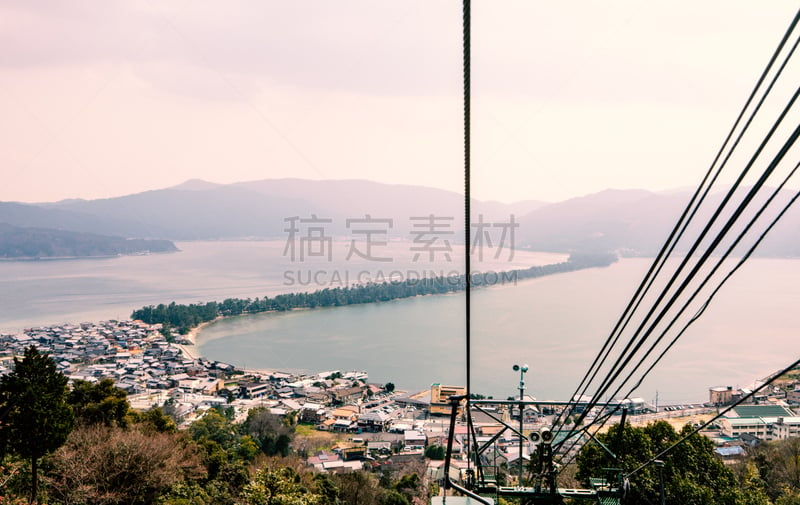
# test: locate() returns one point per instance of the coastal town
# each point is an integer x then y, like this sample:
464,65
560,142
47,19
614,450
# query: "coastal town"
377,420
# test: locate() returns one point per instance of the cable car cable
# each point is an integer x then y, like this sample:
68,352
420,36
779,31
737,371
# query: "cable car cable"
707,302
682,223
720,414
632,348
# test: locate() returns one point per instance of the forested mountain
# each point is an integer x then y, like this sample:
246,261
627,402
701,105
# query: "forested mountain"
631,222
201,210
49,216
35,243
637,222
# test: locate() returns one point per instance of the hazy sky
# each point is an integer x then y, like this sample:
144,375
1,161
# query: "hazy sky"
108,98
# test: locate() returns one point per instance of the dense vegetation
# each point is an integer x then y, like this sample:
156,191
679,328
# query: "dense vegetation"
86,446
691,472
29,243
37,418
183,317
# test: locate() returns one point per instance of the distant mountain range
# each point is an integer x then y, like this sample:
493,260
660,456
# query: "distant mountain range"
199,210
632,222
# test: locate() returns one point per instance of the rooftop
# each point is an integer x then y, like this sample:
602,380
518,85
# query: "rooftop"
761,411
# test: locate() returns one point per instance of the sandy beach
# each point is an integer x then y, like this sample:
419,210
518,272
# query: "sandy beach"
191,351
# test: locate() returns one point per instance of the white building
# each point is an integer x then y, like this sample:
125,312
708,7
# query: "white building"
765,428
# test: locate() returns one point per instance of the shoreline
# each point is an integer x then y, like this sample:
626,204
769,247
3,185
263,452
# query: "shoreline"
33,259
191,351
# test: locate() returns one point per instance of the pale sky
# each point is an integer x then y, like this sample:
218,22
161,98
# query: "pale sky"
108,98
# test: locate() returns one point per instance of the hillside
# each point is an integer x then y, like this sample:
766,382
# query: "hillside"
637,222
631,222
39,243
198,210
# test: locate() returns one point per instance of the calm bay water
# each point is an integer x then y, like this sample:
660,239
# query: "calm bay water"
57,291
555,324
49,292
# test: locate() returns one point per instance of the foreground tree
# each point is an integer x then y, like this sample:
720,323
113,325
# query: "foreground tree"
778,464
154,419
100,403
273,434
37,418
359,488
691,472
278,486
100,465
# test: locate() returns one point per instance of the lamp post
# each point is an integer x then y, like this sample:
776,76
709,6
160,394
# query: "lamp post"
660,465
522,369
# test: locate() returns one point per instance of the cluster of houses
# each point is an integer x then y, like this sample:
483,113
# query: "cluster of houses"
154,370
767,416
157,371
132,353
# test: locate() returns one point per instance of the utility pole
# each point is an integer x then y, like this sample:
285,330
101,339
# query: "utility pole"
522,369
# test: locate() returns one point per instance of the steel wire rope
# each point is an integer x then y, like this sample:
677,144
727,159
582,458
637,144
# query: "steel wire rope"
695,431
705,305
683,222
600,420
707,423
702,285
465,26
710,298
726,278
627,315
797,131
626,356
466,29
583,416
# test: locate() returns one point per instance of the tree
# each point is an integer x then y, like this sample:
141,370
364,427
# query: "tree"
155,419
752,487
792,498
389,387
37,418
110,466
273,435
392,497
358,488
778,464
248,449
215,427
435,452
326,489
408,486
691,472
100,403
279,486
